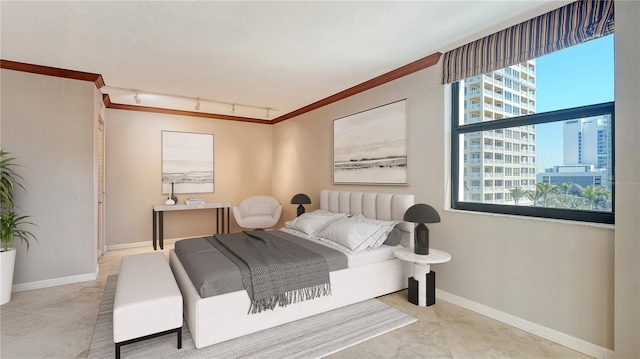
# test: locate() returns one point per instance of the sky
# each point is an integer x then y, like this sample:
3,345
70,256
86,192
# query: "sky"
577,76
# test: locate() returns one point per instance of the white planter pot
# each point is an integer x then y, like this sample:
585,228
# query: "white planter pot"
7,264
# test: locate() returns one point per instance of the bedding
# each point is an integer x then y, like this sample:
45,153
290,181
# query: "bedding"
212,273
313,222
274,271
356,233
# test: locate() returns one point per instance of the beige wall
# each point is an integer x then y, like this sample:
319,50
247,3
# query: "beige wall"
48,123
554,273
243,163
627,132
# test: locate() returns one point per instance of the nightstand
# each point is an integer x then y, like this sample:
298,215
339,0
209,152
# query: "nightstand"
422,287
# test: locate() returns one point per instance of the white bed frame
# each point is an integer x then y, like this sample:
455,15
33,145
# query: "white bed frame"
216,319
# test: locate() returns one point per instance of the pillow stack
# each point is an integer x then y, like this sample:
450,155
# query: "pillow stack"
351,234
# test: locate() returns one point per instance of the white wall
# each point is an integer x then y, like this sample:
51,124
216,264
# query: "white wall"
48,123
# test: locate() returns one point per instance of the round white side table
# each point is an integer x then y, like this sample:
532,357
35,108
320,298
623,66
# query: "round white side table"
422,270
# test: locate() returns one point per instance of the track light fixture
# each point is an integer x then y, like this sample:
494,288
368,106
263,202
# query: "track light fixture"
198,100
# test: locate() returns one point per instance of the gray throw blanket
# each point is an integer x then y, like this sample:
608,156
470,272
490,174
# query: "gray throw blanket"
274,271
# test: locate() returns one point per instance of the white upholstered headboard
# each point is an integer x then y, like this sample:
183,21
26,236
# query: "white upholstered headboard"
383,206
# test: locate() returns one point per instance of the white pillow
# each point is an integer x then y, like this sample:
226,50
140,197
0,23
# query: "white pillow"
311,223
353,235
380,236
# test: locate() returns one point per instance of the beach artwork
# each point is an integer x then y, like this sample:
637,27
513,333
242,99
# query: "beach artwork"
187,162
370,147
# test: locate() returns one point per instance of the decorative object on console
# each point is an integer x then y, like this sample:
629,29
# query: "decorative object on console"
198,200
370,147
421,213
300,199
172,195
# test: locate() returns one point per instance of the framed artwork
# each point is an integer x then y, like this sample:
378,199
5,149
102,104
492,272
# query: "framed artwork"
187,162
370,147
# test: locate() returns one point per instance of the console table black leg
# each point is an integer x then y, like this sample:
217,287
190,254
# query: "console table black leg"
161,239
218,220
117,351
180,338
228,216
155,230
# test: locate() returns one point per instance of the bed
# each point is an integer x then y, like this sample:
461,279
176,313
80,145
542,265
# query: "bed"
222,317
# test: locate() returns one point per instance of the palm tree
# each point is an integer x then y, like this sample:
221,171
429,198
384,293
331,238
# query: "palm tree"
546,189
590,193
566,187
534,196
517,193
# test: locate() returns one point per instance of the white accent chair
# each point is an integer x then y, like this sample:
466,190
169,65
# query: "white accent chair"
258,212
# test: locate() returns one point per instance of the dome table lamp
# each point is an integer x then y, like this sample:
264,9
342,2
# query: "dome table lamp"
300,199
421,213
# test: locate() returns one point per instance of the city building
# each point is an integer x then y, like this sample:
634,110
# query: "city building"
586,142
498,160
586,154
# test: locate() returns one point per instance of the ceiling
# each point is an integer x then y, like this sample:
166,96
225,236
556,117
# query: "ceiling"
282,55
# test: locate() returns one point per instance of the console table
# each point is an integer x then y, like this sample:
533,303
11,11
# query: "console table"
422,287
158,218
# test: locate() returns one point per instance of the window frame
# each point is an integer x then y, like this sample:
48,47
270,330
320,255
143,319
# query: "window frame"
457,129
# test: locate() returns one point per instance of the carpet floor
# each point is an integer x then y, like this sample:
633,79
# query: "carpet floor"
312,337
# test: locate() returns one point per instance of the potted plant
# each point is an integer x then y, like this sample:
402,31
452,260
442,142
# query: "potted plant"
11,223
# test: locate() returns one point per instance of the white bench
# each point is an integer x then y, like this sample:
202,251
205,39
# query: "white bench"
148,302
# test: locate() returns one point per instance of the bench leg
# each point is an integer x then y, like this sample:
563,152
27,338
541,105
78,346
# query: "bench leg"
135,340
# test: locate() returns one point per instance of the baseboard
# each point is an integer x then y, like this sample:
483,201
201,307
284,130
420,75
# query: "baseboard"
56,281
566,340
114,247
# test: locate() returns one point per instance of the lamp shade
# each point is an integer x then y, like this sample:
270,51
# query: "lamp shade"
300,198
421,213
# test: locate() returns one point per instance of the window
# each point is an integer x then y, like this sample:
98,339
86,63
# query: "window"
560,135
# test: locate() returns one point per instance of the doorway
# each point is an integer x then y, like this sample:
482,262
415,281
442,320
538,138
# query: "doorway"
100,165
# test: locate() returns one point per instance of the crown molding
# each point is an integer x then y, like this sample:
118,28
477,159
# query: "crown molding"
97,79
166,111
53,71
405,70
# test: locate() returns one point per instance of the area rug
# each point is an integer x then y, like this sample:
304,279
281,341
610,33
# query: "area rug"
312,337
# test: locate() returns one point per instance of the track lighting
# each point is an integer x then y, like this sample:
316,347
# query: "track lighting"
198,100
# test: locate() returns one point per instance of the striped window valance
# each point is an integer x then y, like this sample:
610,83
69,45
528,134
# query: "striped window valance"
561,28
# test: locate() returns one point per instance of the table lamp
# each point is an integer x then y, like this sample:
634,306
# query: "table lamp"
421,213
300,199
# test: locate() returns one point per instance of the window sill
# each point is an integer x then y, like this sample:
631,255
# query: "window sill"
539,219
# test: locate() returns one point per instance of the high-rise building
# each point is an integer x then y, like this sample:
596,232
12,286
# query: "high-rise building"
498,160
586,154
586,141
